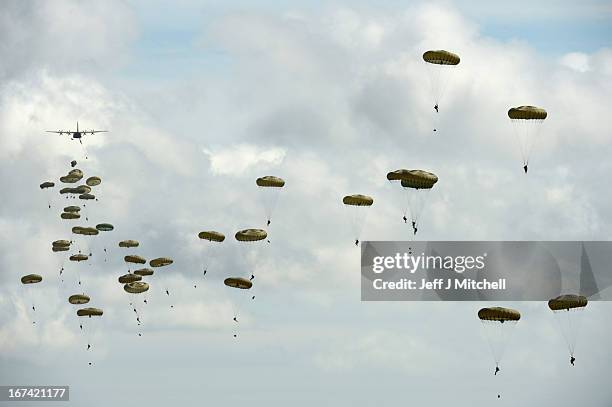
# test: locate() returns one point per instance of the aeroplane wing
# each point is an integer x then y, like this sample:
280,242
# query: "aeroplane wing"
58,132
94,131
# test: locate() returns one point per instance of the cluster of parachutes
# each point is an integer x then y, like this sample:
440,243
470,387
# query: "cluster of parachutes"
415,184
498,324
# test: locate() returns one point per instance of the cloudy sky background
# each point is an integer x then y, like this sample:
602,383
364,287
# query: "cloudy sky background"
201,99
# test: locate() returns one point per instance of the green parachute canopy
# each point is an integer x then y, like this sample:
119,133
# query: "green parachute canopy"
104,227
527,113
143,272
47,184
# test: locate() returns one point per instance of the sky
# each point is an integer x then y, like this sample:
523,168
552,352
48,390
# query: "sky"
200,99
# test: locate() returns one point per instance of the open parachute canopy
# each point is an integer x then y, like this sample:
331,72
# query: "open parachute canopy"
212,236
47,184
78,299
72,209
527,113
441,57
70,215
133,258
31,279
60,248
358,200
129,243
417,179
93,181
567,302
144,272
90,312
136,287
60,243
78,257
161,262
499,314
270,181
251,235
104,227
129,278
238,282
86,231
87,196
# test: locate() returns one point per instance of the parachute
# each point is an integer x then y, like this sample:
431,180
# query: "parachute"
136,287
527,121
132,258
93,181
70,215
238,282
415,185
498,323
61,243
212,236
129,278
251,235
47,184
31,279
72,209
143,272
104,227
87,196
270,187
160,262
210,249
568,311
439,63
79,257
129,243
86,231
356,204
90,312
78,299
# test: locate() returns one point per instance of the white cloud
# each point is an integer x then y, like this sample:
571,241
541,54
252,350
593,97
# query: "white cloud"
238,159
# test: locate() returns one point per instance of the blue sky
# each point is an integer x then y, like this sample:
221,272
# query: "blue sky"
201,98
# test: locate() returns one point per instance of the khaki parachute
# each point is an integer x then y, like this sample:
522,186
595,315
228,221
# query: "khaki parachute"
136,287
72,209
78,257
61,243
132,258
70,215
358,200
251,235
160,262
78,299
90,312
104,227
238,282
211,236
31,279
87,231
129,243
527,113
441,57
499,314
527,121
87,196
47,184
270,181
93,181
143,272
129,278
